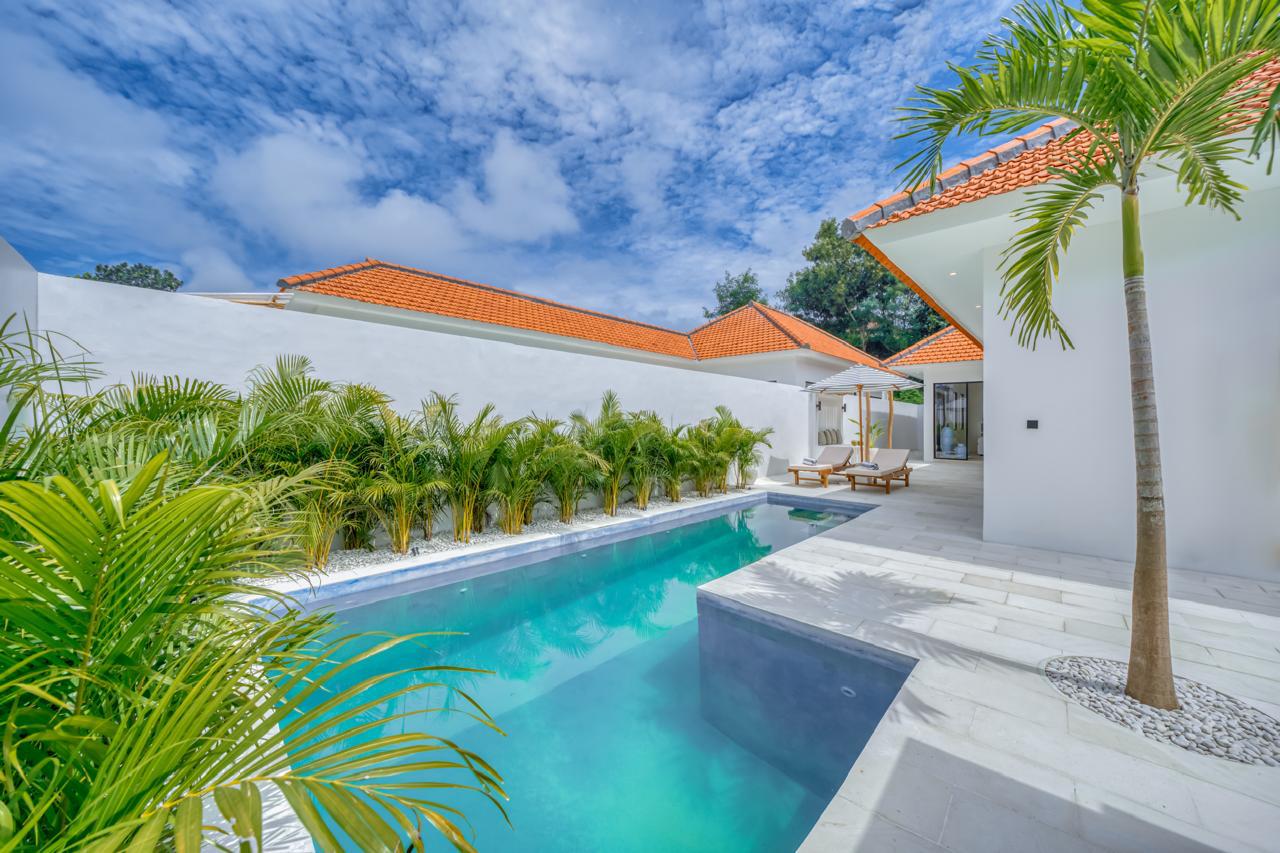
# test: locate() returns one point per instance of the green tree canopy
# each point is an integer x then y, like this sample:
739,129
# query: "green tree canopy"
134,275
734,291
847,292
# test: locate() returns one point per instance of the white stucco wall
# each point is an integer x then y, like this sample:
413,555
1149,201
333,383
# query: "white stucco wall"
18,290
1214,297
130,330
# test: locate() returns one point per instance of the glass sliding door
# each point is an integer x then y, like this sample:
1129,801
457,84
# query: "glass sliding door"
957,420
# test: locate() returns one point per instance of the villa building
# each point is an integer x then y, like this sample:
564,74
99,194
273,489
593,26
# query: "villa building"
1055,423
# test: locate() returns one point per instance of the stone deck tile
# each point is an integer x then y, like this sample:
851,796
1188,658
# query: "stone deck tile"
980,752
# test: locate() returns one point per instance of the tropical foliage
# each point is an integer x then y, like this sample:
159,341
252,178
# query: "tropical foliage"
153,687
847,292
734,291
1149,85
134,275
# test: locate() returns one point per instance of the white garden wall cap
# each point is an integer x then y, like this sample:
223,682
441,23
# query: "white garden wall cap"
749,330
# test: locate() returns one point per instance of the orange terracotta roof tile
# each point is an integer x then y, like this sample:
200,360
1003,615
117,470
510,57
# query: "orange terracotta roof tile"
948,344
1023,161
751,329
395,286
816,339
744,331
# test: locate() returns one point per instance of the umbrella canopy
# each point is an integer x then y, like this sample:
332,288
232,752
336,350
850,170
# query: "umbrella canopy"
863,379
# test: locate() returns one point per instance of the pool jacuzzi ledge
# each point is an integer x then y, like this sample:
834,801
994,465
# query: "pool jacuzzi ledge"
714,606
481,559
822,636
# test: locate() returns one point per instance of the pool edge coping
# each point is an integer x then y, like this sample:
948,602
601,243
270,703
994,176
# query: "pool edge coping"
448,563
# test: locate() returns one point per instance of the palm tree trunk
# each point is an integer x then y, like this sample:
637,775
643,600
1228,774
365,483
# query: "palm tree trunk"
1150,678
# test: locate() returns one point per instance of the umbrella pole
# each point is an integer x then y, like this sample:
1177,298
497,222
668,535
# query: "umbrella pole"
890,393
862,431
866,426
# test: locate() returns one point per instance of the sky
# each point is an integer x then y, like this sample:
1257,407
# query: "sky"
618,156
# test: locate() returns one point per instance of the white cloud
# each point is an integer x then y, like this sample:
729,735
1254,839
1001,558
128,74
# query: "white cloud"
618,157
212,269
98,159
525,196
305,193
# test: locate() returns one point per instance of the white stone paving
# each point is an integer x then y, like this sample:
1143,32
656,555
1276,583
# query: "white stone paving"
979,752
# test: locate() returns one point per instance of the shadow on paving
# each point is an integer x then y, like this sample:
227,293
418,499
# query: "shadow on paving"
934,800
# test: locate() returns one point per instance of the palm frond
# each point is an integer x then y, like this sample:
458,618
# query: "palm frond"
1031,261
1038,71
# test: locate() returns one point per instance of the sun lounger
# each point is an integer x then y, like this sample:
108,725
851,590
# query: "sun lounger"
831,459
890,465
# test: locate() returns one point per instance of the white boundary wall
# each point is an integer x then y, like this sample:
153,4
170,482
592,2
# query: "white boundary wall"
1213,289
17,288
130,330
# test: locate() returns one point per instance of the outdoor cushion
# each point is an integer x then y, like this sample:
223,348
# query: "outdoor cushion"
889,460
814,467
835,455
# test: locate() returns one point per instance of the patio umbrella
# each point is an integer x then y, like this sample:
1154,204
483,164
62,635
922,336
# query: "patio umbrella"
857,380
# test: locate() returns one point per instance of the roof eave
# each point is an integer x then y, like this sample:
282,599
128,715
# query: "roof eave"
854,226
875,251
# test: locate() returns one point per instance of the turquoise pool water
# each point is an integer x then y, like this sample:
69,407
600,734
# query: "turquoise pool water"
597,684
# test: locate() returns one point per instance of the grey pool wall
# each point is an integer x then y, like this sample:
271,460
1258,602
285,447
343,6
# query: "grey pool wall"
803,699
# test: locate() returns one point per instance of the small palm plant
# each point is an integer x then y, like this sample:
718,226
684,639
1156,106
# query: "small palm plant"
571,471
745,453
875,431
519,473
673,455
1157,84
394,489
611,436
469,450
707,459
644,462
342,432
729,436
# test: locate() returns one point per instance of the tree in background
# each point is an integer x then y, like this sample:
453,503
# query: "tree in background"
847,292
734,291
1156,84
134,275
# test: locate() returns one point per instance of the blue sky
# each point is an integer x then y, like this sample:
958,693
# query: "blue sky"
617,156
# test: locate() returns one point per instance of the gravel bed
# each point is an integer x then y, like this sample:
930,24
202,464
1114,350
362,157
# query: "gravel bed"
1208,722
442,540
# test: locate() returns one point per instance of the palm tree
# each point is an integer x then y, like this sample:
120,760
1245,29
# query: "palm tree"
1160,83
707,459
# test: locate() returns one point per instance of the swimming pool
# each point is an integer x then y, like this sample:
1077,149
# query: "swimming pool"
618,737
